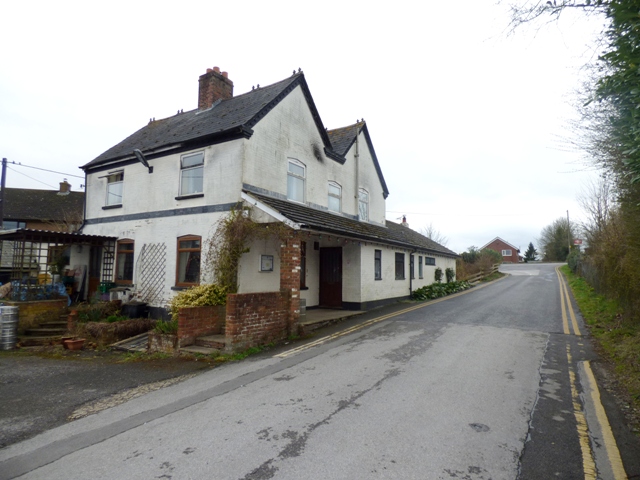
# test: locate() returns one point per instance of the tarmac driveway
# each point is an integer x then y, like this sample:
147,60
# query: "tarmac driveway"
38,393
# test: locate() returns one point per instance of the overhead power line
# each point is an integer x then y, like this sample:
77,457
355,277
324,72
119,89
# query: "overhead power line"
44,170
35,179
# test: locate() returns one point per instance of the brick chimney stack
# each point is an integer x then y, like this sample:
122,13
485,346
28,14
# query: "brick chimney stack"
65,187
214,85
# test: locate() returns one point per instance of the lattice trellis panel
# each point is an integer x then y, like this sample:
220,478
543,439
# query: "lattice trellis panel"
151,272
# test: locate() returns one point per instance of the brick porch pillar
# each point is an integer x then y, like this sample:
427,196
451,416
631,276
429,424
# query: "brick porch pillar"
290,276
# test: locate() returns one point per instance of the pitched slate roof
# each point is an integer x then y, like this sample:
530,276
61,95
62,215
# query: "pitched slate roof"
234,116
503,241
343,138
323,221
24,204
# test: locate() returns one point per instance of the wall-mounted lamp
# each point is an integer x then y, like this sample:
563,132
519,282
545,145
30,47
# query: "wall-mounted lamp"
142,160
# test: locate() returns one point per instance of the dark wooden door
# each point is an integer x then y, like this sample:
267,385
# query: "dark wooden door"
331,277
95,264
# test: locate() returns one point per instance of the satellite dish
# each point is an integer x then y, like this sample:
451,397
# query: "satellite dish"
142,160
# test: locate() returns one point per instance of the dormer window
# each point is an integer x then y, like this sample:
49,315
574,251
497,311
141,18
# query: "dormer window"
114,188
191,173
363,205
335,197
295,180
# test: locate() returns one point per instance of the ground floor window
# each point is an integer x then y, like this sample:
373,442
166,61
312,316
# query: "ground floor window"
429,261
377,264
399,266
303,265
188,268
420,267
124,261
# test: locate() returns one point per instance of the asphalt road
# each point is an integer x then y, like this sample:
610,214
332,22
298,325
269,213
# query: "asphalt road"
496,383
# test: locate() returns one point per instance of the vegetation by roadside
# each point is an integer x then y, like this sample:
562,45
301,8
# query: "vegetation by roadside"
616,335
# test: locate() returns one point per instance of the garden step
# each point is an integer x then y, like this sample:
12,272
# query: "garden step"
38,341
60,324
43,332
197,349
212,341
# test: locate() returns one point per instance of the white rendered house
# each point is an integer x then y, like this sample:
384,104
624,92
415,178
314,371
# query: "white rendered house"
161,190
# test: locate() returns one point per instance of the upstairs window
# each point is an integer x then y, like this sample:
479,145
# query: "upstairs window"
188,269
191,173
295,180
363,205
399,266
124,261
506,253
335,197
114,188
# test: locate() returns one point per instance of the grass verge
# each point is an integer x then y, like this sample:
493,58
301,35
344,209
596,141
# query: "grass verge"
617,336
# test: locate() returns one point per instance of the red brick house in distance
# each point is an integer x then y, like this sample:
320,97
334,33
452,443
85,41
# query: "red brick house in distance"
508,251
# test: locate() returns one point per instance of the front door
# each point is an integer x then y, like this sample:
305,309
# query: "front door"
331,277
95,264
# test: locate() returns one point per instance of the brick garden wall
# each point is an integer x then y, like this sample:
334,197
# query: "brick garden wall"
195,322
257,319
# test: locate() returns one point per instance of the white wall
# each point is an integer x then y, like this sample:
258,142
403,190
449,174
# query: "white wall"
157,191
289,131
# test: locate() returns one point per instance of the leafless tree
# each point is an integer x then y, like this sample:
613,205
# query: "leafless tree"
434,234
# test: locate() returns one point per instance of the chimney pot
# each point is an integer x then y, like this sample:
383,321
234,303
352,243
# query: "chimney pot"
209,70
216,69
225,74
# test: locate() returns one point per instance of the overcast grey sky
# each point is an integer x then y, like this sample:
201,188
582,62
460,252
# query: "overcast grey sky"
467,122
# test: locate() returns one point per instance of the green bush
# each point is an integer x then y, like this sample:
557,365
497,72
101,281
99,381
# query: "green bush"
449,274
167,328
574,259
438,275
199,296
437,290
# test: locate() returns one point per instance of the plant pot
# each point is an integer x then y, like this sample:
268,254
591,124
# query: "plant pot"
76,344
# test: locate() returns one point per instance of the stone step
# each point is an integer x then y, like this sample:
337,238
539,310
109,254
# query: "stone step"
38,341
59,324
197,349
45,332
212,341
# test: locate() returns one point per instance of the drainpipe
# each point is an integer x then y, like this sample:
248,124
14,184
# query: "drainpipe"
411,270
357,159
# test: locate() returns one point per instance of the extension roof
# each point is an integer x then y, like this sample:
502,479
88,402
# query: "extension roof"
324,221
24,204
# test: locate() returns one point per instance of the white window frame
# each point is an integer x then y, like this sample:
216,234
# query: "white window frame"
334,195
191,169
363,204
115,181
507,253
293,176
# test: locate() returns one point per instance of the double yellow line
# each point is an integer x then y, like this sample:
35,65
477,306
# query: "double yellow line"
564,294
592,391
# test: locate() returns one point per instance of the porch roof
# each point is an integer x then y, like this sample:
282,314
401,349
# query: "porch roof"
47,236
326,222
